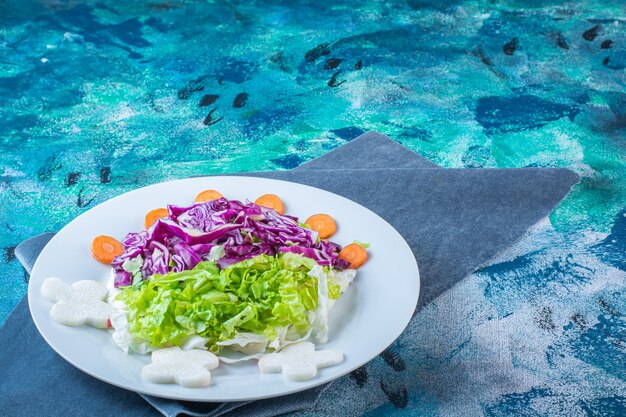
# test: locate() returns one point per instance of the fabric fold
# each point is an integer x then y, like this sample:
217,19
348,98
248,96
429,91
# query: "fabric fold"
455,221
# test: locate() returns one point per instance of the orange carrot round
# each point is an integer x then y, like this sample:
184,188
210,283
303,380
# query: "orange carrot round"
106,248
355,254
208,195
322,223
271,201
155,214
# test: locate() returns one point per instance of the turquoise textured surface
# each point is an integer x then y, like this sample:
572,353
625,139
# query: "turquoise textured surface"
99,98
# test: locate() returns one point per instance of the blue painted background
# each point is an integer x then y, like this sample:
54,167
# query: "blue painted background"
99,98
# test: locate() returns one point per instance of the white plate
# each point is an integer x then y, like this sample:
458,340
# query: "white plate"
367,319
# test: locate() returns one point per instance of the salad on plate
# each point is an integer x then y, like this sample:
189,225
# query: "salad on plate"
238,280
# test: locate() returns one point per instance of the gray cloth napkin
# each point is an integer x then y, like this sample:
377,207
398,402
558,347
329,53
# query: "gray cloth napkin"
454,220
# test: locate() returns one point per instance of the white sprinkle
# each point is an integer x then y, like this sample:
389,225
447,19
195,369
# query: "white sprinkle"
44,60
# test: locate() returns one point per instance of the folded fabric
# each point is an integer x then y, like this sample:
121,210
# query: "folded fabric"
455,220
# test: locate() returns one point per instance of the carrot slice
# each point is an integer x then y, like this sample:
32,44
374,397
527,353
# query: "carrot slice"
355,254
271,201
322,223
208,195
155,214
106,248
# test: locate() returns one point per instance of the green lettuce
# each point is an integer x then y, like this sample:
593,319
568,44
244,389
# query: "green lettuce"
258,295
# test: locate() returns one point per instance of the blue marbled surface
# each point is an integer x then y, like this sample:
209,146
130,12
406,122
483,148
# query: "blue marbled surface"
99,98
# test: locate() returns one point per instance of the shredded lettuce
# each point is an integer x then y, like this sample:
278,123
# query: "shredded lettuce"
365,245
264,295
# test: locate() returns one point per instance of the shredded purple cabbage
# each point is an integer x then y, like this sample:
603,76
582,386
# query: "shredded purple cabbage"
187,236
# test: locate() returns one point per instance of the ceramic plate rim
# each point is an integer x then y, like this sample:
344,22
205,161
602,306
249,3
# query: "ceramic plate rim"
161,392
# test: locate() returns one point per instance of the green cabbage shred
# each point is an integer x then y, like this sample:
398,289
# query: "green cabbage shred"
257,295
